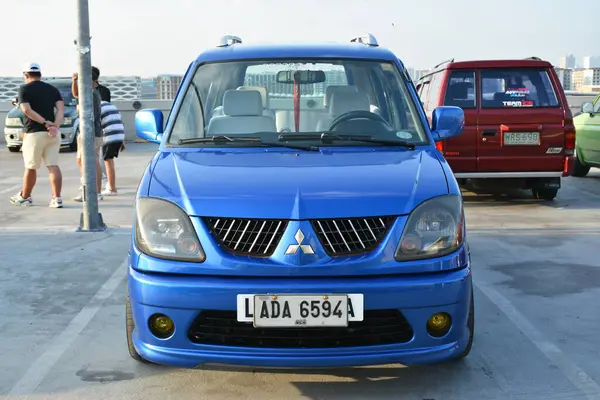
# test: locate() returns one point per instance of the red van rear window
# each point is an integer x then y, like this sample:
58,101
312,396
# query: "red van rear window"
517,88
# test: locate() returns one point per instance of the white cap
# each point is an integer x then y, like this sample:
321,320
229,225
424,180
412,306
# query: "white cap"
32,67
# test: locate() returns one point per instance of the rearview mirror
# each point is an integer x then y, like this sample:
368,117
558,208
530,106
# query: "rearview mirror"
301,77
447,122
15,101
149,125
587,108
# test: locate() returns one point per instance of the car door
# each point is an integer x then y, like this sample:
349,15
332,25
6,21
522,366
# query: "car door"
460,91
521,121
588,135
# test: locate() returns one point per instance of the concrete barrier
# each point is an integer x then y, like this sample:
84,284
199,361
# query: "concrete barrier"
128,110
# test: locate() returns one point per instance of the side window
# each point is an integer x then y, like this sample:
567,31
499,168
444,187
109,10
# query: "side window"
460,91
434,91
189,122
597,104
423,91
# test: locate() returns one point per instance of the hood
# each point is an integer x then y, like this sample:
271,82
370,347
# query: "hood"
282,184
15,112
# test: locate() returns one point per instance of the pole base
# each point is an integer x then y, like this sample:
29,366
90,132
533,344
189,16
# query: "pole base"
100,228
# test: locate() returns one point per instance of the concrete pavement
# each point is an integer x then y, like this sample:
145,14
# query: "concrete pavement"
62,298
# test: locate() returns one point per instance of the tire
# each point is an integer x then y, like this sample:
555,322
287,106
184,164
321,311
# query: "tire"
14,149
129,325
73,145
580,170
545,193
471,326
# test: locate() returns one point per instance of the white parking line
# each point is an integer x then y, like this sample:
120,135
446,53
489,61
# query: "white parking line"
52,230
10,189
588,387
61,343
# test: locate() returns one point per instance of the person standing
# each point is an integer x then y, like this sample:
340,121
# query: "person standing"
38,100
97,107
114,136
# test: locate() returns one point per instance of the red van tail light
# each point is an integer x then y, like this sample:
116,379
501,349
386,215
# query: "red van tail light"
569,137
440,147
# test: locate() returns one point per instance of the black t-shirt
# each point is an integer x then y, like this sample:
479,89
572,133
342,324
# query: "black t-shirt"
97,103
42,98
104,92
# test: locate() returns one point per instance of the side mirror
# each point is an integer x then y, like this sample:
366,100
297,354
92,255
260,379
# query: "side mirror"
15,101
587,108
149,125
447,122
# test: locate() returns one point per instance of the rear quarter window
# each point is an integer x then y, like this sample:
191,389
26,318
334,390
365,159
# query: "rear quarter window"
460,91
517,88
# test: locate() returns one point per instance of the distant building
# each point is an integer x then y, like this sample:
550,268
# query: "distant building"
586,77
149,88
567,62
591,62
419,73
167,86
123,87
566,77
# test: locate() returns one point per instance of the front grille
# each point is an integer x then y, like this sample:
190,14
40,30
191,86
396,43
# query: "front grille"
342,237
379,327
251,237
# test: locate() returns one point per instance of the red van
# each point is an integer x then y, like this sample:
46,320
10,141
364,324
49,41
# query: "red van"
518,126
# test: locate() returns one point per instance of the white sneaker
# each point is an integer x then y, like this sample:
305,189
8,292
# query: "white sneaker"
19,200
109,192
56,202
79,197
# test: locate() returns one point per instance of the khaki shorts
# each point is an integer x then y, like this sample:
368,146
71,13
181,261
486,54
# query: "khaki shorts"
98,142
38,146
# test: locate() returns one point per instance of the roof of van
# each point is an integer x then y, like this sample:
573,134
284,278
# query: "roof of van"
515,63
291,51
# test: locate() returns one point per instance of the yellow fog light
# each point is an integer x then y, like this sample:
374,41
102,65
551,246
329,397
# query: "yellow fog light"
439,324
161,326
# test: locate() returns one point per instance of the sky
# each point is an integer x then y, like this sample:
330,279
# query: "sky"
150,37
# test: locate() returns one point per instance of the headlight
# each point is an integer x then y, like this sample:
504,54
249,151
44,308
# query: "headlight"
67,121
435,228
163,230
13,122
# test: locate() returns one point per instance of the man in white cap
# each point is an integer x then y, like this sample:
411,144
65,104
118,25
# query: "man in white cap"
38,100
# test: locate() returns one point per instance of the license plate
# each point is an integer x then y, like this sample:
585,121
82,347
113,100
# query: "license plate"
521,138
297,311
13,131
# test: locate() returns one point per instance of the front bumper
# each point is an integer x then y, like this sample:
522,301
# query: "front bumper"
14,136
417,297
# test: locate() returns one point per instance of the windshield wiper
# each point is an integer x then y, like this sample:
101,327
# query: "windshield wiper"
330,136
227,139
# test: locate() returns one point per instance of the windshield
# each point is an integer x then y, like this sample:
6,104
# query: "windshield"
272,99
67,95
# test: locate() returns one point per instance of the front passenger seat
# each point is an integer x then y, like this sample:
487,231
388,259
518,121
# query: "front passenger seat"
242,113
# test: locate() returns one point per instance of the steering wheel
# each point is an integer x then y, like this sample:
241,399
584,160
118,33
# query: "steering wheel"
360,114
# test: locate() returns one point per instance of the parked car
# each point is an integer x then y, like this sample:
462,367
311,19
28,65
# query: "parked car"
587,146
518,126
13,130
293,226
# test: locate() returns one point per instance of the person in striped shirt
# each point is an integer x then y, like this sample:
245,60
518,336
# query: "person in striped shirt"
114,138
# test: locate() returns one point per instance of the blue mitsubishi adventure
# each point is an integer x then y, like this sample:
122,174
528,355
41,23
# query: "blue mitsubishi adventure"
298,214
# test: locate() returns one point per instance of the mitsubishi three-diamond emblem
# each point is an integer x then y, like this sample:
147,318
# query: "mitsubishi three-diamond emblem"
293,248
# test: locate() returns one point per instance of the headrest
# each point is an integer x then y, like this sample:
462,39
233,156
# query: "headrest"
345,102
238,103
263,93
459,90
336,88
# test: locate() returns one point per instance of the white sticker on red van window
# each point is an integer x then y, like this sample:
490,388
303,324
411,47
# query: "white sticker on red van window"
518,92
518,103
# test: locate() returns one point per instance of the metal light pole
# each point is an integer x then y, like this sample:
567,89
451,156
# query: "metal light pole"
91,219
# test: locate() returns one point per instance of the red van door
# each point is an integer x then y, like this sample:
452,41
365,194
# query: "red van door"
521,121
460,91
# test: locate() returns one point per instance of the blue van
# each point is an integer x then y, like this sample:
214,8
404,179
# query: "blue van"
298,214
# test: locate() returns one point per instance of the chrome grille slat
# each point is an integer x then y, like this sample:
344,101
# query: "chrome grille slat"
351,236
248,237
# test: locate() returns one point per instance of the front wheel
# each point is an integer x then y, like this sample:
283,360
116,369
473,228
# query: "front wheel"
129,326
14,149
545,193
580,170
